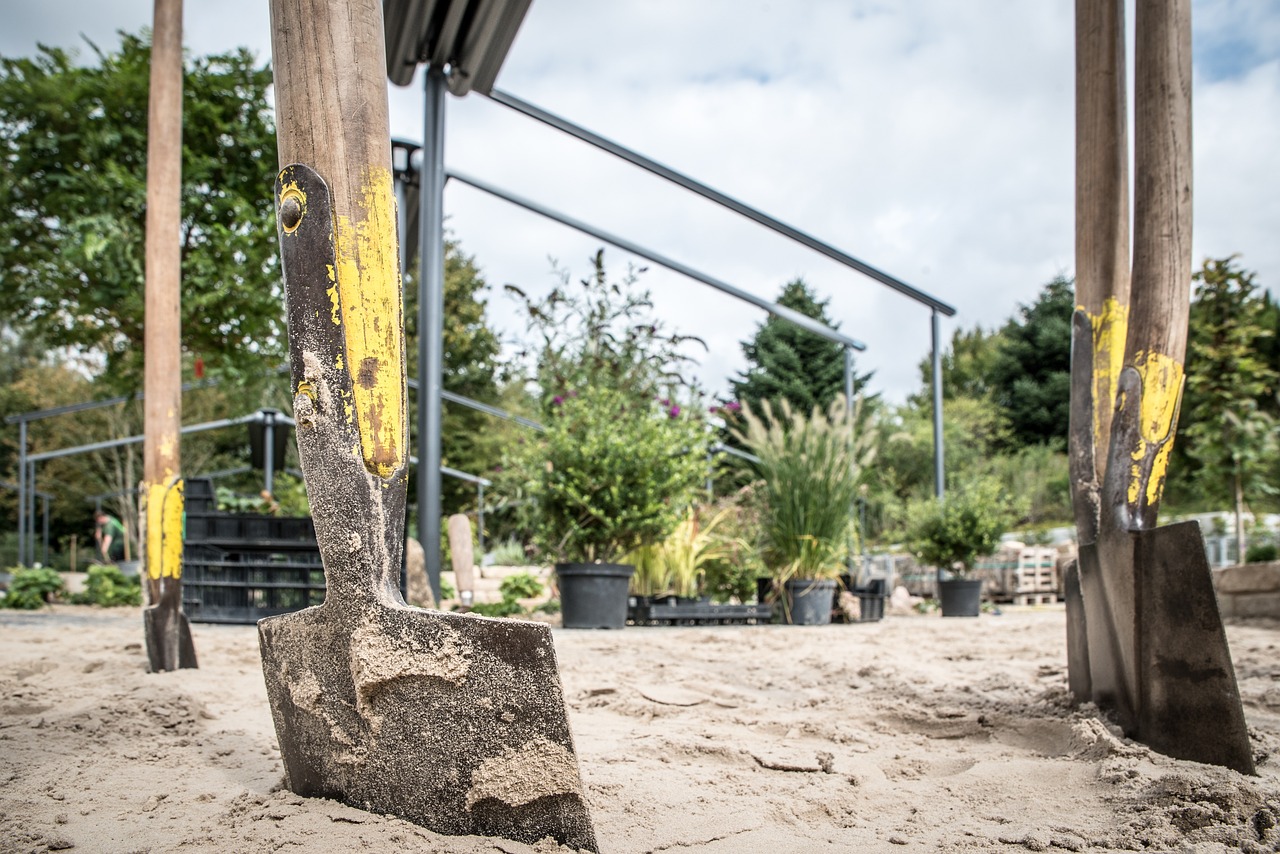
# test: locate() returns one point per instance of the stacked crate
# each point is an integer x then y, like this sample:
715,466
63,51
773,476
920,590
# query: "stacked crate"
1036,576
241,567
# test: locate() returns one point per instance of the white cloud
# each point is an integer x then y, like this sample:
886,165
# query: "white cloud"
932,139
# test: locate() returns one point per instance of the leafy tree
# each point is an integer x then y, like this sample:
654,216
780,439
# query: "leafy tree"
600,334
470,441
73,198
1230,435
968,367
1030,376
792,364
952,533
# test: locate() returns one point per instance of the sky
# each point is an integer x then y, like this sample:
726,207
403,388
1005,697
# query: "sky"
929,138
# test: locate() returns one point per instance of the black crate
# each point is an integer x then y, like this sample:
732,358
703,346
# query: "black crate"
244,586
672,611
198,495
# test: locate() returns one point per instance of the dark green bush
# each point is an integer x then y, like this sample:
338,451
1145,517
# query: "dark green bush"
521,585
109,587
30,589
1261,553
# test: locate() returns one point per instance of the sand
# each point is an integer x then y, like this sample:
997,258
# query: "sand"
914,733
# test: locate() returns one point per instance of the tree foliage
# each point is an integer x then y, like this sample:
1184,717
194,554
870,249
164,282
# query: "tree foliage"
470,440
1030,375
1230,432
785,362
73,205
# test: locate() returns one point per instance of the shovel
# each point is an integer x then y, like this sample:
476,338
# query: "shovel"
451,721
1144,637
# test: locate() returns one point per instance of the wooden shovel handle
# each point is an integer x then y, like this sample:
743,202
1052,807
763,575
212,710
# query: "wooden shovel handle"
1161,284
1102,246
331,109
336,220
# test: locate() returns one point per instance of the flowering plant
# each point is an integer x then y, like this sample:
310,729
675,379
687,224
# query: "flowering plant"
616,475
624,448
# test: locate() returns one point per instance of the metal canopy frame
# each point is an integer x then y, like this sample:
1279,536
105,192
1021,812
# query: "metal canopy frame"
468,37
463,44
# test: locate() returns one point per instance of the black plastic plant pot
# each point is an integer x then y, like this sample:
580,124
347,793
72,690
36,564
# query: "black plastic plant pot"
960,597
809,601
593,595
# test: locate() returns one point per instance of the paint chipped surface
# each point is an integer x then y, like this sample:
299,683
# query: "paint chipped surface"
1109,326
1162,381
380,656
163,506
368,281
539,769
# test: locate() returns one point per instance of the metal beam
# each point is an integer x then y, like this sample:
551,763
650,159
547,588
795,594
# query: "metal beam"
133,440
939,482
804,322
471,403
758,216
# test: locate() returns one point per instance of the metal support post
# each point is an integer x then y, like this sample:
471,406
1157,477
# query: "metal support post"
938,479
480,516
430,323
848,414
44,506
22,492
268,450
31,515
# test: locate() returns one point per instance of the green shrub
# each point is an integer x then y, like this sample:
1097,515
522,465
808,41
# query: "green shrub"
505,608
521,585
509,553
616,475
1261,553
952,533
109,587
30,589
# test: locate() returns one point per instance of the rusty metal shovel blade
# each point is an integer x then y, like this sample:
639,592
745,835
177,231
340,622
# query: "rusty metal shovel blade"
451,721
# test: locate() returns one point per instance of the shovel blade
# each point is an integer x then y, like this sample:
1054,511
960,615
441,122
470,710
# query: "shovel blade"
168,636
1189,702
1079,680
454,722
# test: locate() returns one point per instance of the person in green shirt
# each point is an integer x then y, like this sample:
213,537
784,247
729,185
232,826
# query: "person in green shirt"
109,535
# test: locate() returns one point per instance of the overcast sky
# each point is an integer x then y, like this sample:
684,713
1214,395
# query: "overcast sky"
930,138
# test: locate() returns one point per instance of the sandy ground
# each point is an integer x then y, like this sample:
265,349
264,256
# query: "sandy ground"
915,733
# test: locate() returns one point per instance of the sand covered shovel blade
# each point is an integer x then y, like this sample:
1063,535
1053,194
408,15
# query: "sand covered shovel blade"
451,721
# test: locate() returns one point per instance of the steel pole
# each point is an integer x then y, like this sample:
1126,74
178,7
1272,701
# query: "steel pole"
31,515
22,491
268,450
938,481
480,516
848,414
44,506
431,323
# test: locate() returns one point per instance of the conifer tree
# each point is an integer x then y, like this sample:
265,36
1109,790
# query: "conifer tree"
788,363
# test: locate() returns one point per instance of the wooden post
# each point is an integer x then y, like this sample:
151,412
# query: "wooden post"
161,509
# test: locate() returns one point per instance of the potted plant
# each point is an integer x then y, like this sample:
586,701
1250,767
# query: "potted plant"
950,533
809,466
613,478
623,451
